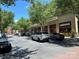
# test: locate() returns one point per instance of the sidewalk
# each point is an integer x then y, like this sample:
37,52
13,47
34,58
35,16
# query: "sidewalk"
73,54
68,37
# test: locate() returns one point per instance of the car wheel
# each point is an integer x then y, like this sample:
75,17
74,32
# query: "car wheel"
32,38
39,39
50,41
47,39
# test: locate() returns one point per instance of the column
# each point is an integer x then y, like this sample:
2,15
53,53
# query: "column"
74,24
57,27
48,29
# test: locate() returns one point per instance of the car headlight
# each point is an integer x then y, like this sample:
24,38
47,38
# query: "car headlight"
5,43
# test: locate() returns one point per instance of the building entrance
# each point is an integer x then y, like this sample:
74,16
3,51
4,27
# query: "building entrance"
53,28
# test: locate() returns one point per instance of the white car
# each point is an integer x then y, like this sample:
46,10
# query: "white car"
40,36
9,35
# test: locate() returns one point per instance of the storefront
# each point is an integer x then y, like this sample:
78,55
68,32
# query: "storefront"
63,24
45,29
65,28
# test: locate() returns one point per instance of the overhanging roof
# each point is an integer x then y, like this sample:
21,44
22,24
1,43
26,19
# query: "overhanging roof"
35,25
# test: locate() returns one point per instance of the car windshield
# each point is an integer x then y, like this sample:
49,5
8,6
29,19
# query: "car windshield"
38,32
2,36
45,32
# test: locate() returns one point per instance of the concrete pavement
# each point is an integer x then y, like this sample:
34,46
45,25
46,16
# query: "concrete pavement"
73,54
41,50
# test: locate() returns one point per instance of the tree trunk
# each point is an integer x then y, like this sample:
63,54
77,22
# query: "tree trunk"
42,28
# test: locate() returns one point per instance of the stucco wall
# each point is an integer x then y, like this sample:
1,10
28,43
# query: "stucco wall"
65,18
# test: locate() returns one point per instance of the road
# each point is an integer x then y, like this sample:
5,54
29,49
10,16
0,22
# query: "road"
25,48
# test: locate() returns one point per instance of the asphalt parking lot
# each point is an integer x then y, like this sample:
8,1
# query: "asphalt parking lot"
25,48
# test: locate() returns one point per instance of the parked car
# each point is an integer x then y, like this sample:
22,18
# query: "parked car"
56,37
16,34
28,34
22,33
5,46
40,36
9,35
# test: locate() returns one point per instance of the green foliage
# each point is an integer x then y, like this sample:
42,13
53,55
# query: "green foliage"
6,18
15,26
7,2
50,10
24,23
67,6
12,2
40,13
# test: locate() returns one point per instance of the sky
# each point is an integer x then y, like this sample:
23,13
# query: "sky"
21,9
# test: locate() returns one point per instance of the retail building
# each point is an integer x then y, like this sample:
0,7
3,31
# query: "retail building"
63,24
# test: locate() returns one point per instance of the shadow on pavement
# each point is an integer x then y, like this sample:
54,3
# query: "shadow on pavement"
72,42
18,53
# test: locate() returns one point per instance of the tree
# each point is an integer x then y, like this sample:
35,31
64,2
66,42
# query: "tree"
7,2
67,6
24,23
15,26
41,13
7,18
11,2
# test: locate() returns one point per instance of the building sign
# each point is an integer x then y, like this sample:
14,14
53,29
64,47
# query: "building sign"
65,24
65,27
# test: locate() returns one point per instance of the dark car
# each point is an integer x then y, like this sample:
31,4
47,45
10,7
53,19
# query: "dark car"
5,46
22,32
28,33
56,37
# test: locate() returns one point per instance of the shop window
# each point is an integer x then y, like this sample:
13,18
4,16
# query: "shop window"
65,27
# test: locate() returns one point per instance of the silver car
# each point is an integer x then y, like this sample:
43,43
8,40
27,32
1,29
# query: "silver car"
40,36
